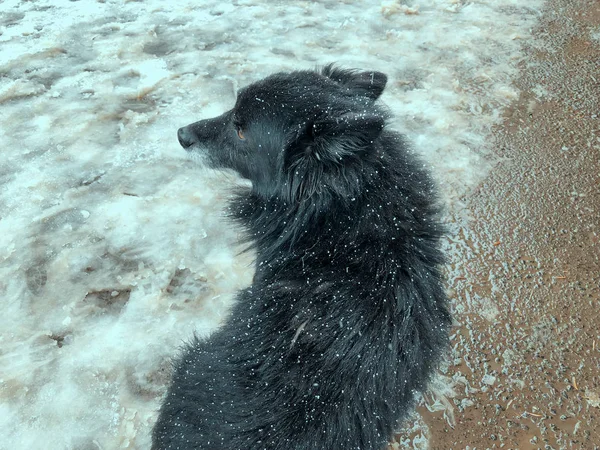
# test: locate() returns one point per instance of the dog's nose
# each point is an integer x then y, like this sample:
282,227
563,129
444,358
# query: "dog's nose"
186,139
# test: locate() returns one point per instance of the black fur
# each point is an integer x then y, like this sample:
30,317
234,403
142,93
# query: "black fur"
346,317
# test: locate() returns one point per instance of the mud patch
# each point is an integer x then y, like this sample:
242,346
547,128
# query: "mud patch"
61,339
110,301
186,287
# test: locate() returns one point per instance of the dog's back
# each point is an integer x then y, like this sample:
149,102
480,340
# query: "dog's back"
347,316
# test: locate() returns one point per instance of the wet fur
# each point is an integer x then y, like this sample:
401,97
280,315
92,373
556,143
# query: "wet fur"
346,317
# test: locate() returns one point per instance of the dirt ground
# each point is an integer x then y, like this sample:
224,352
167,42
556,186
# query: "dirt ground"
526,348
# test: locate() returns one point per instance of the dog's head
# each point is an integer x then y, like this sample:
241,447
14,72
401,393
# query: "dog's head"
295,135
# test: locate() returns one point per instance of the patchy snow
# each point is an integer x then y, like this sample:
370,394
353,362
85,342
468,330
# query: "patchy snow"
113,249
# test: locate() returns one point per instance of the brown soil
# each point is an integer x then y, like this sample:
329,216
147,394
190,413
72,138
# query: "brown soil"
526,357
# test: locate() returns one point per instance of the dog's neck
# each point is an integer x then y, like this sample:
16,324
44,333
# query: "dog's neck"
291,236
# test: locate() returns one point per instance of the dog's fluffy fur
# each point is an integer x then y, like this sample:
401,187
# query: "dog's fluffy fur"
346,317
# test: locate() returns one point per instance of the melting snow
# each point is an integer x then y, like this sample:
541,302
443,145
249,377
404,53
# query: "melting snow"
112,247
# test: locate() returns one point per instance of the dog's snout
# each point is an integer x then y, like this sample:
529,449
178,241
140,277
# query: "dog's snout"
185,137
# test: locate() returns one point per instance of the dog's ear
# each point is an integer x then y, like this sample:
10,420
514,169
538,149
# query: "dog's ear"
330,139
368,84
348,133
326,146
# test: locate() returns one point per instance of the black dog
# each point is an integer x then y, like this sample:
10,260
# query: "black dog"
347,316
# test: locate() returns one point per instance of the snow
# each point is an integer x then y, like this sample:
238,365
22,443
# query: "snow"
113,248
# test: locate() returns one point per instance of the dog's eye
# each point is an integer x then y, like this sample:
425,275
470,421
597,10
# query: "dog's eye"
240,133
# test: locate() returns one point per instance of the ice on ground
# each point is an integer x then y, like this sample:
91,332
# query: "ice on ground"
113,249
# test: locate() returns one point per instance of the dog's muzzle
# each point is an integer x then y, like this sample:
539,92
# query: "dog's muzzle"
186,138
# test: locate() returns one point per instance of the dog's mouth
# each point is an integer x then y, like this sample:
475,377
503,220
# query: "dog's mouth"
198,157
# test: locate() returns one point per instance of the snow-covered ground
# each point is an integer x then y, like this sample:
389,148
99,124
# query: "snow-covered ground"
113,248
